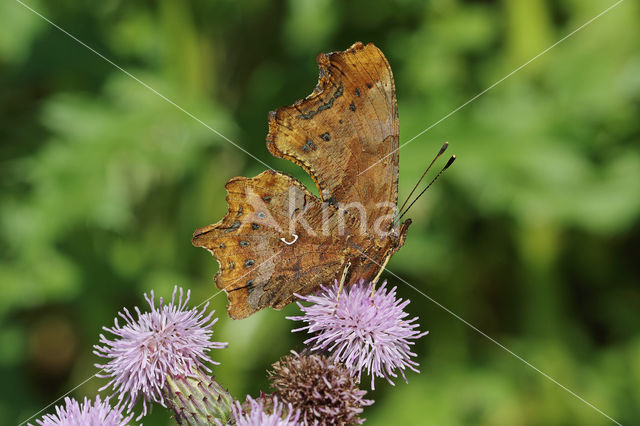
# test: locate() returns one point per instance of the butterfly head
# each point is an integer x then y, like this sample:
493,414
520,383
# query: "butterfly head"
394,239
399,234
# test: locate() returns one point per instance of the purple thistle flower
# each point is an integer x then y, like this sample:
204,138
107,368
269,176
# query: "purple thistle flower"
169,340
256,415
85,414
363,332
324,391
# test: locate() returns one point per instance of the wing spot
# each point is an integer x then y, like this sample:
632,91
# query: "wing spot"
325,136
233,227
249,263
240,210
255,226
352,107
266,199
309,146
309,115
232,265
262,215
357,92
244,243
369,85
222,245
338,91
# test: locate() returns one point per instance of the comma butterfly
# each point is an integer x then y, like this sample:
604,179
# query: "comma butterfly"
277,238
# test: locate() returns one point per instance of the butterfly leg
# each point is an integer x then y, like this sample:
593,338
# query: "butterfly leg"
375,280
342,279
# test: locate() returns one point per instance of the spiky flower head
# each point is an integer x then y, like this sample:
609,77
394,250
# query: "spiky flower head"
365,332
197,400
323,391
168,340
87,413
264,412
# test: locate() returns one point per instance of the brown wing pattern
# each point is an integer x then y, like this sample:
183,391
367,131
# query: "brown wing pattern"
257,268
346,125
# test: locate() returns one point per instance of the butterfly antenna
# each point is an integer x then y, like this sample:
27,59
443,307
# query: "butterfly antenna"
449,163
442,150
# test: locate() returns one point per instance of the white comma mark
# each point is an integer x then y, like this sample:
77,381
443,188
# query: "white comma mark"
295,238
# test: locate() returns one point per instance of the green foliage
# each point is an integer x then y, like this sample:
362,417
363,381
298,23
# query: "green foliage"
532,236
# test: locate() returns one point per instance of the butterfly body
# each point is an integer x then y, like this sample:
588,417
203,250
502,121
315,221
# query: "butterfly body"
277,238
368,261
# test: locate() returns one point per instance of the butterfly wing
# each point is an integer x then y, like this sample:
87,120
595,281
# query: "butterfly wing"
257,268
345,134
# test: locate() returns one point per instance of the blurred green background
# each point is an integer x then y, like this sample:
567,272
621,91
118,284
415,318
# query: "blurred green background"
532,236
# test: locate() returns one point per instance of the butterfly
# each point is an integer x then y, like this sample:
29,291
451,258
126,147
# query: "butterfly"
278,239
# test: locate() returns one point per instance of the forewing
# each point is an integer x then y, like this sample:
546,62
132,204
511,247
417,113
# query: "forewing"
345,134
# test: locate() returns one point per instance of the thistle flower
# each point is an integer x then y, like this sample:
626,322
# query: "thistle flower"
258,414
86,413
198,400
361,331
323,391
170,340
